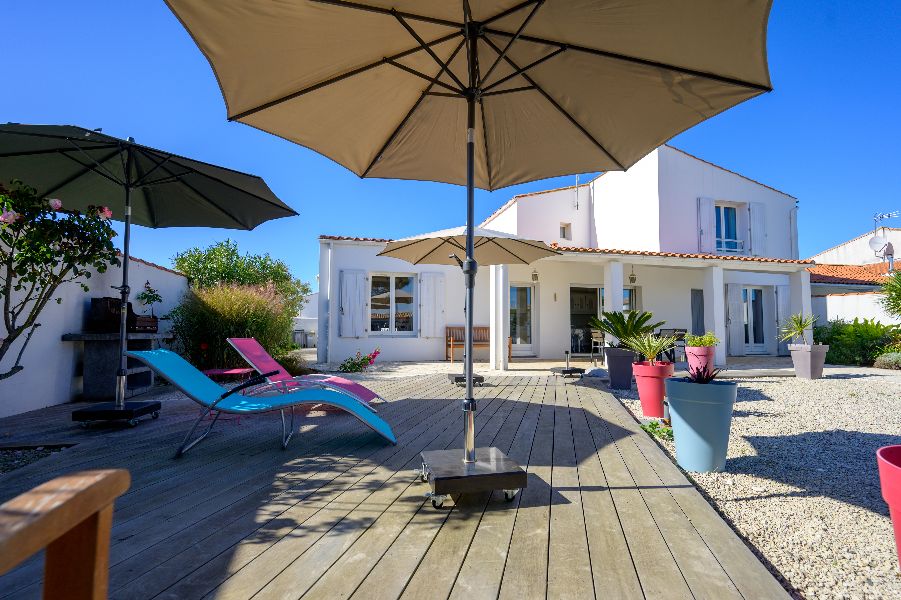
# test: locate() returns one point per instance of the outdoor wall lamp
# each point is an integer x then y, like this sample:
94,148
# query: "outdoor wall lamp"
632,277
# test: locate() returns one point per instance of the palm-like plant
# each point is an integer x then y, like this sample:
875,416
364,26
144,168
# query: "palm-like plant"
649,345
891,295
796,327
623,325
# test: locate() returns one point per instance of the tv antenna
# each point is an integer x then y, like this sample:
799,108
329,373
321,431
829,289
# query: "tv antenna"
879,244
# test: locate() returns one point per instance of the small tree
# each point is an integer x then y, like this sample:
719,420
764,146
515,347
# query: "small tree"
891,295
40,250
222,264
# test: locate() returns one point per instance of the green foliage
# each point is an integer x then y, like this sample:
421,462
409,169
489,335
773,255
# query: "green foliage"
222,263
890,360
701,341
858,342
359,362
891,295
40,250
622,325
149,296
796,326
649,345
658,429
207,316
294,363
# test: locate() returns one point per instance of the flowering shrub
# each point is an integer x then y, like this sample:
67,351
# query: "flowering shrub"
40,250
359,362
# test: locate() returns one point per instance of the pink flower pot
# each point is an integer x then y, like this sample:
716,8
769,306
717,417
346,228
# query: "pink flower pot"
700,357
889,460
650,380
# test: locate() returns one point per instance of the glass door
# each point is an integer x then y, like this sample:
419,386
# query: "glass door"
521,318
583,304
753,320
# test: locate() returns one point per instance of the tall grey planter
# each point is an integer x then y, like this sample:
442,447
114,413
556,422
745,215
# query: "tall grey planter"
808,359
619,367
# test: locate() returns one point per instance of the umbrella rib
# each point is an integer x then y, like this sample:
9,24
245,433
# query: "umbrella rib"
210,201
428,49
421,75
524,88
559,108
641,61
407,117
389,11
485,141
156,165
85,170
521,71
426,255
109,173
337,78
148,201
510,11
513,39
516,256
91,168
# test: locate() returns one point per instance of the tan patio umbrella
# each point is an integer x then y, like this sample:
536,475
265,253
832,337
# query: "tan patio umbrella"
486,94
447,247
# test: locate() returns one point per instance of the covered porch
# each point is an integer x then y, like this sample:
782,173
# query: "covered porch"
545,307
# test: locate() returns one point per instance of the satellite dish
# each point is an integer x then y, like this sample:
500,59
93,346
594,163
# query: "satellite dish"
877,243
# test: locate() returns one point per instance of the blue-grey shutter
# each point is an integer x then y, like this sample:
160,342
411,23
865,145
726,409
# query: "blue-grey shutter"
697,312
431,305
352,308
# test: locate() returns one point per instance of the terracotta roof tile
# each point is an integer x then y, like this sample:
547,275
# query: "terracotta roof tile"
150,264
344,238
873,274
681,255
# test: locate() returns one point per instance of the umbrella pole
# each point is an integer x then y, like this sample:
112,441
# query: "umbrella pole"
469,265
122,373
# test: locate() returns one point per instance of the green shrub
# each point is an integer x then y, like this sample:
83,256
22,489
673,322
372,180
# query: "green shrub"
622,325
207,316
891,360
294,363
658,429
701,341
855,343
891,295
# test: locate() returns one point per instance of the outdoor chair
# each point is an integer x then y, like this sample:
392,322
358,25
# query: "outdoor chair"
257,357
597,343
679,348
257,396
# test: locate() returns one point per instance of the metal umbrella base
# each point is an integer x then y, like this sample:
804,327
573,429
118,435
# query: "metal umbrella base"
110,411
493,470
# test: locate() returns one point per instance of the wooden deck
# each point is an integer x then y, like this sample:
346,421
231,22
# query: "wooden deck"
340,514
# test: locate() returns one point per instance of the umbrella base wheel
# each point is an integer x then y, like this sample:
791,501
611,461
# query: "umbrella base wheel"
510,495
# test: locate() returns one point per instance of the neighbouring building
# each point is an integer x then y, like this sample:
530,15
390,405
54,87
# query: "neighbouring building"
700,246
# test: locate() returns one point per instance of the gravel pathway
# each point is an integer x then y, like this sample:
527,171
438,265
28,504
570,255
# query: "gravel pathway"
801,483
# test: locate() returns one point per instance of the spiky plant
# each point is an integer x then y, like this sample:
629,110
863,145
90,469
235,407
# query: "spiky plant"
622,325
796,327
702,374
649,345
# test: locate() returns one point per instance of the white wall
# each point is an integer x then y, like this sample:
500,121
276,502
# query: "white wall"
627,209
505,221
848,306
539,216
363,256
858,252
684,179
49,377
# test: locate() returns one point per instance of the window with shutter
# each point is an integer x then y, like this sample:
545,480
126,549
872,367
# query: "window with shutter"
352,307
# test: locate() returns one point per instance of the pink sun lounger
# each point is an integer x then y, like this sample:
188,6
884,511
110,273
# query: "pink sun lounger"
257,357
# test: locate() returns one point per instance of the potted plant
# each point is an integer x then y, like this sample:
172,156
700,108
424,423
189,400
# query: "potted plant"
148,297
808,358
888,459
651,373
700,350
619,358
701,414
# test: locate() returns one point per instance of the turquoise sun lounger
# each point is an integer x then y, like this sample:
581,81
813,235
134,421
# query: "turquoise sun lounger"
257,397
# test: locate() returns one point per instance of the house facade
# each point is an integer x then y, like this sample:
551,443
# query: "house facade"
703,248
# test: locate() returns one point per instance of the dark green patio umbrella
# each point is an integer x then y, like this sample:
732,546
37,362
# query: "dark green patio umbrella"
487,93
141,185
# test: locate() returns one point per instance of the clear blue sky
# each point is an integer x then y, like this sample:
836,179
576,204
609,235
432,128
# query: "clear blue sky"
828,134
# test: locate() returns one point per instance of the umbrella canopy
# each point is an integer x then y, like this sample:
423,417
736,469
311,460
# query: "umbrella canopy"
82,167
448,246
564,87
140,185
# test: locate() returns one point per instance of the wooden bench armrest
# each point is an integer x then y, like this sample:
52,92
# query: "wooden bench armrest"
41,516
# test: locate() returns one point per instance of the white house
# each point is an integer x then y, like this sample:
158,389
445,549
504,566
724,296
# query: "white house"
857,251
701,247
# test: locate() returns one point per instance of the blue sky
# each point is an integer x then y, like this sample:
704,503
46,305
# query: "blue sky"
828,134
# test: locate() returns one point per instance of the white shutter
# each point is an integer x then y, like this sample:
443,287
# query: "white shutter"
431,305
783,310
353,304
757,224
735,323
706,226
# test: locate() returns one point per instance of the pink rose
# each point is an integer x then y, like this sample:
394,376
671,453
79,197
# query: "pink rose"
105,212
8,216
56,203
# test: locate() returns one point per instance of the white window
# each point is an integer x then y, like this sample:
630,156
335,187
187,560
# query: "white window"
566,231
727,237
392,304
631,298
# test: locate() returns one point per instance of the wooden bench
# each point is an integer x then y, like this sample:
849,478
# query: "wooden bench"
481,338
71,517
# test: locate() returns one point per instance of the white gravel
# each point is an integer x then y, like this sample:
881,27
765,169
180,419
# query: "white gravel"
801,483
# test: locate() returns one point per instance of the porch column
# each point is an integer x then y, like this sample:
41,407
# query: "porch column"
799,295
613,289
715,310
499,319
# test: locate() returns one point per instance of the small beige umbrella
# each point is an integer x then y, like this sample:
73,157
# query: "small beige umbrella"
448,247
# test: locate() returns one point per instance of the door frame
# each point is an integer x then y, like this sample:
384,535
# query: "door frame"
527,349
752,348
